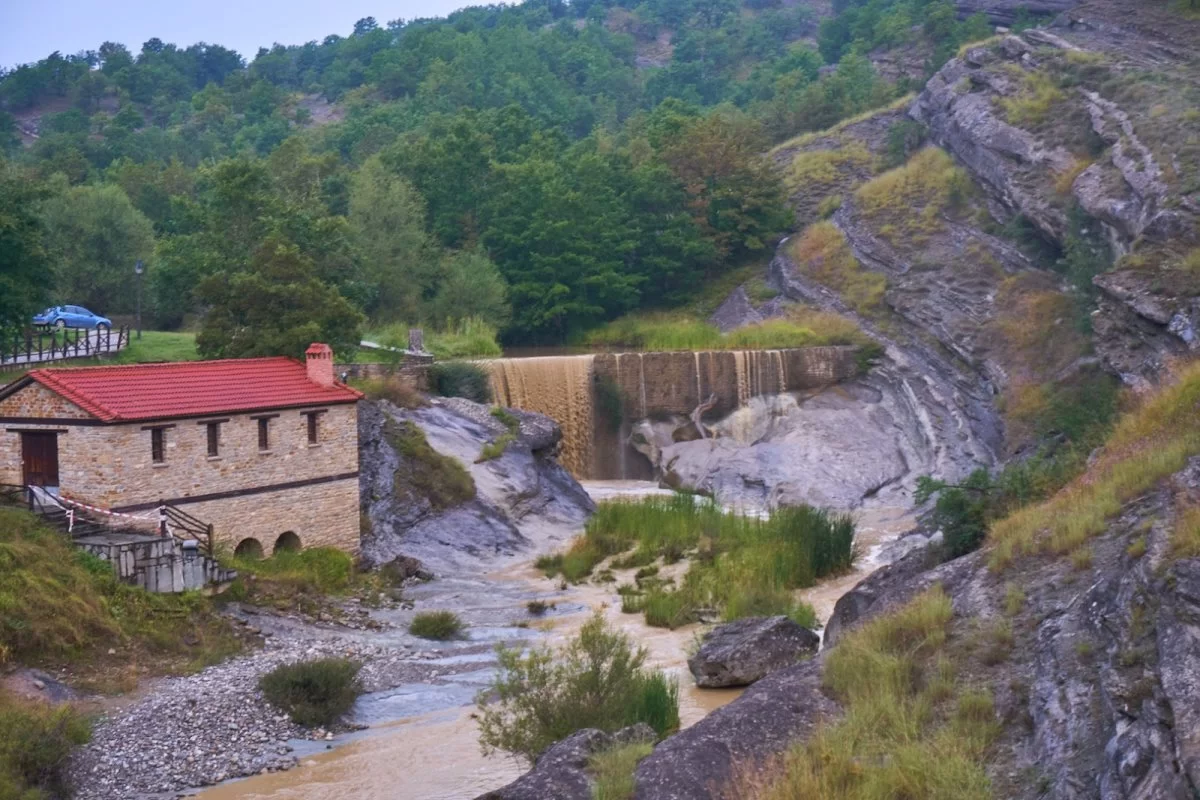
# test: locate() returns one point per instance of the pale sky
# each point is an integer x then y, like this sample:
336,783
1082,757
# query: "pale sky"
32,29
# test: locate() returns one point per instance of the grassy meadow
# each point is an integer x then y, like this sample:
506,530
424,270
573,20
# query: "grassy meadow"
739,565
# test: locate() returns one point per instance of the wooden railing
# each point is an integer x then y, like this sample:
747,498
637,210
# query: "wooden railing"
183,525
46,346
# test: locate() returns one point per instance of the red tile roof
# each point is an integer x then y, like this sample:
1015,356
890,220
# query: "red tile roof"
190,388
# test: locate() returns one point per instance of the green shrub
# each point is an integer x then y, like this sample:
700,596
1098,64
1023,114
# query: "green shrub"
599,680
36,741
440,625
313,693
424,473
461,379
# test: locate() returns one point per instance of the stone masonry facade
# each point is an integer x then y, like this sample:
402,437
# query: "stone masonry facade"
245,492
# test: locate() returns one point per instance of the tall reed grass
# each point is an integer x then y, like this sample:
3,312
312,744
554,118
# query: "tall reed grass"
741,565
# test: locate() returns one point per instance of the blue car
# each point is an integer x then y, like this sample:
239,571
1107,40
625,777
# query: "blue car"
61,317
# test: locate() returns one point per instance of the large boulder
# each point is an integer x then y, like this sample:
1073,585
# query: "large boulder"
741,652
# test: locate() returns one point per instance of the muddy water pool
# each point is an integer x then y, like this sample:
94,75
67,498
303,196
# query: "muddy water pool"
422,741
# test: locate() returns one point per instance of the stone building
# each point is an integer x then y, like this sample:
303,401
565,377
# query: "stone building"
263,449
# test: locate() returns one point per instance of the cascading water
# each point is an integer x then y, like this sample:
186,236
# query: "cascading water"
636,386
559,387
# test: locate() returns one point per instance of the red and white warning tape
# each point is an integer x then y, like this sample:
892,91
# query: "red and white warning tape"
152,516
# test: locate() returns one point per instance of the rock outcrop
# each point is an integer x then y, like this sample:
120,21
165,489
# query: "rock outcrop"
561,773
697,763
1027,151
522,499
833,449
741,652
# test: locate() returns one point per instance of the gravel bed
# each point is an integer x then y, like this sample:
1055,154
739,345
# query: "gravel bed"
215,725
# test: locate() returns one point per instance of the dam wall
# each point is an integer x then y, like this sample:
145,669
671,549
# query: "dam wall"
659,384
596,398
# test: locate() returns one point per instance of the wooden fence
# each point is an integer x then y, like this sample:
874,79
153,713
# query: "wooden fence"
40,347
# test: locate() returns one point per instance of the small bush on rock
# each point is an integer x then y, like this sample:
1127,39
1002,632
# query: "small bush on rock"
439,625
598,681
313,693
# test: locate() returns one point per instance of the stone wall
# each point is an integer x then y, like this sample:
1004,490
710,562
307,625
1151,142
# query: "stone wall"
111,466
36,400
322,515
416,375
654,384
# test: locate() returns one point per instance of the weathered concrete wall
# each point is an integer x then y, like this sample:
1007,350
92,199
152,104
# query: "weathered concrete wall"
155,564
676,383
111,466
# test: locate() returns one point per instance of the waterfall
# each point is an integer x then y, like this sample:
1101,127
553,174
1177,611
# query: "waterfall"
577,391
559,387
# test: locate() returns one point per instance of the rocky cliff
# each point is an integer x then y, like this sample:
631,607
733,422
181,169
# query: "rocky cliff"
1050,233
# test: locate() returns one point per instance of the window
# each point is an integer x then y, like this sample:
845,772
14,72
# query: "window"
264,433
312,428
158,445
214,439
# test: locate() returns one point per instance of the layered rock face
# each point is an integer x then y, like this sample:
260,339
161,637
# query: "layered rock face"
1109,143
522,498
1099,700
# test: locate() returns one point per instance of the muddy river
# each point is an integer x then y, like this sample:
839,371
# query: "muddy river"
422,740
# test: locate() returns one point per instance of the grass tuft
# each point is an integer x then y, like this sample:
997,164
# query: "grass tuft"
668,332
741,566
423,471
36,741
823,254
613,770
437,625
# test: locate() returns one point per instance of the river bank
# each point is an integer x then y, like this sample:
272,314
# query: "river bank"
412,734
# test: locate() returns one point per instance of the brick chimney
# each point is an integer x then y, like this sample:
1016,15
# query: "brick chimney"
319,359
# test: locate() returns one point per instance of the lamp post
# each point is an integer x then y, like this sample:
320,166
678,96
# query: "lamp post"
138,269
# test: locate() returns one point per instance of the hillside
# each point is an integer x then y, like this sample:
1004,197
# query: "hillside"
542,168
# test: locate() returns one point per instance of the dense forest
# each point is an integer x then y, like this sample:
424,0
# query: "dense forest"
540,168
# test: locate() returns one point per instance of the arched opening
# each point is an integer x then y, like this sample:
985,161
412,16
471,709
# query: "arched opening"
287,541
249,548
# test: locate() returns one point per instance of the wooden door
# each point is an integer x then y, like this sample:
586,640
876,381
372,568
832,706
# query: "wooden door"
39,458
